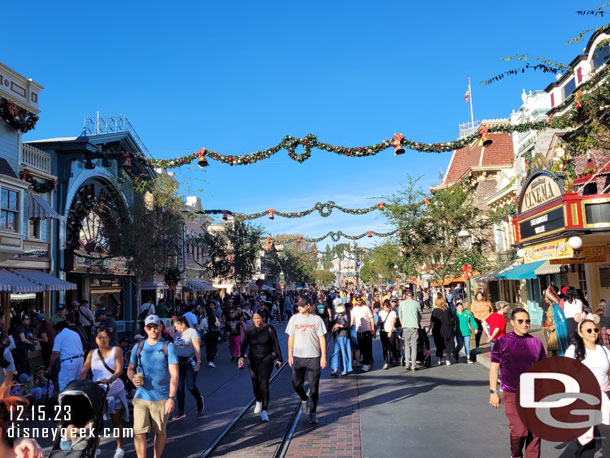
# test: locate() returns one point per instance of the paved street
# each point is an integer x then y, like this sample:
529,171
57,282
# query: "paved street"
438,411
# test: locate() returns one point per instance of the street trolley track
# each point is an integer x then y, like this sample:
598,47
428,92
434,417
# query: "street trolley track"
241,420
289,419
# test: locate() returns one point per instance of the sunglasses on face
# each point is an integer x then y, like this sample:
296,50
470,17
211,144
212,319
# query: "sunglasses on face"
590,330
151,327
523,321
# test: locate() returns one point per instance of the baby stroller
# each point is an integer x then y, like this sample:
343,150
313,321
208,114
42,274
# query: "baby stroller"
423,348
82,402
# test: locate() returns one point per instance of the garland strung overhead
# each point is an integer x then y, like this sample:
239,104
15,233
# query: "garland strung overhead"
335,236
38,186
310,141
324,209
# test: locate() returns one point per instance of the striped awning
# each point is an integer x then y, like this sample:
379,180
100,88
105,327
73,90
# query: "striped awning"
199,285
492,275
11,283
548,269
40,208
49,282
522,272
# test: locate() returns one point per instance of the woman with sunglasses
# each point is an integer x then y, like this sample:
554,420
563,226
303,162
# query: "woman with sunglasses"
587,350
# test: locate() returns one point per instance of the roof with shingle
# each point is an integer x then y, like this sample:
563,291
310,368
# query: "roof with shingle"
500,153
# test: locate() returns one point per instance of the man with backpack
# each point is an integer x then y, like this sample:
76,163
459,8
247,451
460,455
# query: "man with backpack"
153,369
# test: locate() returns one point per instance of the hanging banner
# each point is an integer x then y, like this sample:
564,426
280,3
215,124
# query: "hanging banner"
584,255
557,249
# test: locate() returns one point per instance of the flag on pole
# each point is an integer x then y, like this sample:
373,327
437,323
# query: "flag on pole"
467,95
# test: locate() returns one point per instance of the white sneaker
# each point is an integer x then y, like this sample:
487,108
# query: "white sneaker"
258,407
470,361
441,361
264,416
119,453
211,364
344,373
365,368
448,363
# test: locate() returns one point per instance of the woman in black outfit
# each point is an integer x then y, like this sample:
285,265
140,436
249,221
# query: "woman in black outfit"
264,349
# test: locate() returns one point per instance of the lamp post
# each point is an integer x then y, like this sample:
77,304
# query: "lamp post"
464,240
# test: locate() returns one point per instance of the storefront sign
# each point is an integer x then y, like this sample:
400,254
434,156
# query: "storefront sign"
540,190
543,224
584,255
92,264
557,249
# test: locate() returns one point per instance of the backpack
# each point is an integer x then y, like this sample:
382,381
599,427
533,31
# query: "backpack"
140,347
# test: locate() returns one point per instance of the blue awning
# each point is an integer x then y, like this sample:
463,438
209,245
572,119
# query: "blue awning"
49,282
521,272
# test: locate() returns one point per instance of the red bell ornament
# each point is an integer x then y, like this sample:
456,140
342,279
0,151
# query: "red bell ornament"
370,234
397,143
201,160
270,211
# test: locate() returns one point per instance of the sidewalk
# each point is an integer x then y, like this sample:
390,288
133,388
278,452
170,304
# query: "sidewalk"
484,357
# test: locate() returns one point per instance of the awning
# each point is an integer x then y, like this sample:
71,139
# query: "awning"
492,275
199,285
11,283
154,285
448,281
547,269
49,282
521,272
40,208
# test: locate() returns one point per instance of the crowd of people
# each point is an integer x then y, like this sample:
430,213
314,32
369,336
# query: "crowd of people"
151,372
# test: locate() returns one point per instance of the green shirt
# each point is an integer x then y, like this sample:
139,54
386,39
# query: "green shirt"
409,314
461,323
162,311
55,318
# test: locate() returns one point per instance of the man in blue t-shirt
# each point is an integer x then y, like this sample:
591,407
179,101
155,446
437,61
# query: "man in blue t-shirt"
155,374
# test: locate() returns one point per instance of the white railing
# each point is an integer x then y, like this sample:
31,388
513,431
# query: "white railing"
34,158
469,128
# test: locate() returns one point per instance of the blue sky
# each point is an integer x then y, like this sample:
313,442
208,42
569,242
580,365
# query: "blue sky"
238,76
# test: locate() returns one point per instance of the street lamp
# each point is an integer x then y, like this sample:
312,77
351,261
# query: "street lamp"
464,239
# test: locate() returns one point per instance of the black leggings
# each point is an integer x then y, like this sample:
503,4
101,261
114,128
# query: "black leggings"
390,350
312,366
477,337
260,372
365,342
211,343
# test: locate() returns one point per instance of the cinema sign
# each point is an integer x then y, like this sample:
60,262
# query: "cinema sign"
541,190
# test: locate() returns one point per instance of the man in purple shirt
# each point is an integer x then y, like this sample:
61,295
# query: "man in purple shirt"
515,353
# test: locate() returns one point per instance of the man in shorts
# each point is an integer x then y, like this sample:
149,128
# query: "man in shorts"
306,353
157,383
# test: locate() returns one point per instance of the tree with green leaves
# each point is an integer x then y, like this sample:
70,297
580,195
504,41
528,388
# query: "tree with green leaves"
244,245
428,229
379,263
324,277
151,229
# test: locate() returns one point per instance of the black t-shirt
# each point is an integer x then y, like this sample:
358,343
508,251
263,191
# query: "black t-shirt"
20,329
232,327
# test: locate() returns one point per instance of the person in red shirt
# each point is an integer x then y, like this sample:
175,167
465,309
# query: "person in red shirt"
497,322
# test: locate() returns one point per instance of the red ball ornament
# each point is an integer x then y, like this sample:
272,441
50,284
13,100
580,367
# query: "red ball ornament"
261,154
360,147
183,160
305,141
348,154
245,161
230,159
438,144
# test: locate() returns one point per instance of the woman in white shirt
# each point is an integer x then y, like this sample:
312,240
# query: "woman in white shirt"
587,350
572,306
386,325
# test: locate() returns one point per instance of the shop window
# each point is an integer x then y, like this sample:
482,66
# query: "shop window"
601,56
34,229
9,216
569,87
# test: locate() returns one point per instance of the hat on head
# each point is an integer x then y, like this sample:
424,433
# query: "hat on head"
100,312
302,302
340,308
394,299
75,303
23,378
61,307
564,289
152,319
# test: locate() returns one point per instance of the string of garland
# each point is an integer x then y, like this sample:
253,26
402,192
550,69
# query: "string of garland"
17,117
38,186
325,209
336,236
310,142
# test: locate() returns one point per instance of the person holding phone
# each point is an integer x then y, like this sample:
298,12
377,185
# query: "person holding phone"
264,349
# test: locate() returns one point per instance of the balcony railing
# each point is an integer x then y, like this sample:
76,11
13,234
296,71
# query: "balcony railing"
33,158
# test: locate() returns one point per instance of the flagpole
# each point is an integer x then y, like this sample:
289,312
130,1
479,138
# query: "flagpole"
471,111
